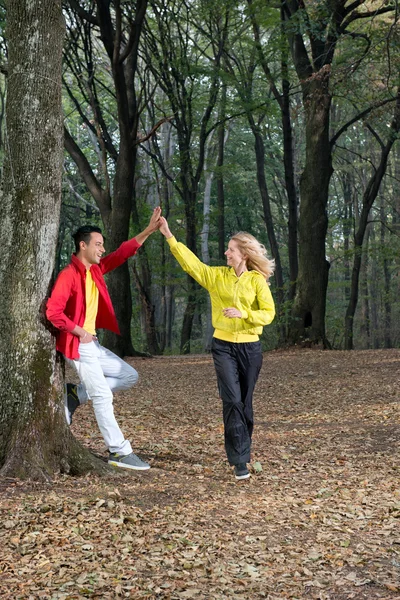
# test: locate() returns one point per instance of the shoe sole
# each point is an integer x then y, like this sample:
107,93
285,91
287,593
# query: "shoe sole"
238,477
125,466
67,413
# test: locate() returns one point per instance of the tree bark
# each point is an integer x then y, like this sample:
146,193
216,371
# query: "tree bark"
308,324
35,441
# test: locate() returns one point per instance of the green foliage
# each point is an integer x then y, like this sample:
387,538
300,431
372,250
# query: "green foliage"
178,67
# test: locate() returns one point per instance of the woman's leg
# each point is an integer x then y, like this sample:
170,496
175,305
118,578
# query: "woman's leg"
249,359
236,432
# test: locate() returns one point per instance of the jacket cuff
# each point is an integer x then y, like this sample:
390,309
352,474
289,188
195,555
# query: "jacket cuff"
172,241
245,314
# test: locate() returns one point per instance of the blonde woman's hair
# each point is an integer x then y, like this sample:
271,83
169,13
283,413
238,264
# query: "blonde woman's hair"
255,252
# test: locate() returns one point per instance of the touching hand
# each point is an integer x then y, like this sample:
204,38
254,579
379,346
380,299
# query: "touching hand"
164,227
232,313
154,223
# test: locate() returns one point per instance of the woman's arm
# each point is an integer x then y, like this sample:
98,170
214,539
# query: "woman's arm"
202,273
265,313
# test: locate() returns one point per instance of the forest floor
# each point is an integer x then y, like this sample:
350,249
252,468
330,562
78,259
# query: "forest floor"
319,518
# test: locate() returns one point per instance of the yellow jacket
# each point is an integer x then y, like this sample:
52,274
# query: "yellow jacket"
249,293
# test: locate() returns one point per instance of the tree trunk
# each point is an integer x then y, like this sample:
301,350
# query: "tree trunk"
348,182
35,440
205,254
222,139
387,319
290,180
308,324
374,292
266,203
365,320
190,199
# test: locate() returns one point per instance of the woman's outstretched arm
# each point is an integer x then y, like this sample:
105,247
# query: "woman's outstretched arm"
202,273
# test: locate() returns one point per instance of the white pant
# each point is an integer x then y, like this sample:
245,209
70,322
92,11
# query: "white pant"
102,372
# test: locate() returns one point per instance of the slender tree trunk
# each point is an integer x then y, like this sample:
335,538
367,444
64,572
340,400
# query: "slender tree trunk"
192,285
347,227
205,254
35,441
266,203
222,139
290,180
365,324
387,313
374,276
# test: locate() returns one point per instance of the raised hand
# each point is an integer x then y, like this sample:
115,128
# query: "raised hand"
164,227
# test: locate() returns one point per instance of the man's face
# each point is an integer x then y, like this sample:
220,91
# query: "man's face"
91,253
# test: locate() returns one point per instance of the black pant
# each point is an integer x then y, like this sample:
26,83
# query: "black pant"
237,367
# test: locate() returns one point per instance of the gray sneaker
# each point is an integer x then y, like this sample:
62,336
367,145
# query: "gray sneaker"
129,461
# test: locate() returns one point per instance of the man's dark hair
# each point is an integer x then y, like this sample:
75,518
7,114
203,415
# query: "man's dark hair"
83,235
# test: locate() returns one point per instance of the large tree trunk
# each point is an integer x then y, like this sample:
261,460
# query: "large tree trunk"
35,441
310,300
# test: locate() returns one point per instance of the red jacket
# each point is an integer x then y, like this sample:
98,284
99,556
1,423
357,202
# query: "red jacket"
66,306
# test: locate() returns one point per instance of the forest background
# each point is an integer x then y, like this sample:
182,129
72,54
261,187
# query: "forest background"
278,119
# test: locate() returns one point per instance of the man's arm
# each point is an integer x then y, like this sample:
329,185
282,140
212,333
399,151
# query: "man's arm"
127,249
58,300
151,227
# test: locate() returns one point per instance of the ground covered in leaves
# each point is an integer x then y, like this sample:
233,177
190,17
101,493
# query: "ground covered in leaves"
319,518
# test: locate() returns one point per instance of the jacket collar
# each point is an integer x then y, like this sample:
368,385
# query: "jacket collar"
78,264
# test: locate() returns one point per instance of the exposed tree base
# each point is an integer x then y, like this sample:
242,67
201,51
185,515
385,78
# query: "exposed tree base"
34,465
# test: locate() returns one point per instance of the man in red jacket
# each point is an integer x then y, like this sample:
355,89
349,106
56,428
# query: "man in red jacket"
79,304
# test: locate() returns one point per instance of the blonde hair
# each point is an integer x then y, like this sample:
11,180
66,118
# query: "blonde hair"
255,252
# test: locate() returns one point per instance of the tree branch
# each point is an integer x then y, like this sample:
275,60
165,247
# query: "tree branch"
102,199
153,130
84,14
357,117
365,15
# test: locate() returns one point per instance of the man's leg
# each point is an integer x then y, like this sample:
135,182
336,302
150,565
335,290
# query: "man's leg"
90,370
119,375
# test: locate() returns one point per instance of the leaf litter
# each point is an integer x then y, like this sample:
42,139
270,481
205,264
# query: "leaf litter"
319,518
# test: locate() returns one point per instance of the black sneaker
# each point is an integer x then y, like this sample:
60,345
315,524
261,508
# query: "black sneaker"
241,471
71,401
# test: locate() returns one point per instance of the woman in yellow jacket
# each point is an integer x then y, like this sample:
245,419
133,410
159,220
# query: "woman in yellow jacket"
241,304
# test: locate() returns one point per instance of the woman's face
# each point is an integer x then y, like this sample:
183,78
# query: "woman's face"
234,257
